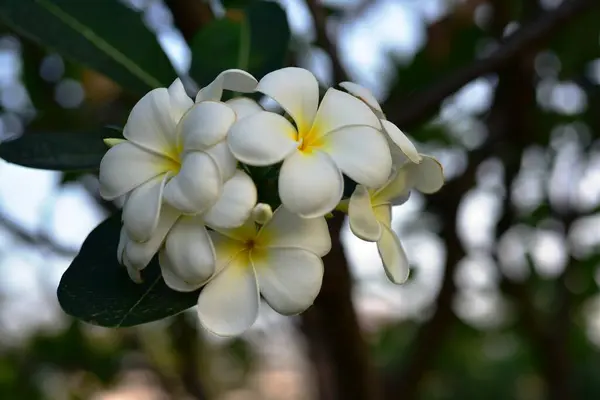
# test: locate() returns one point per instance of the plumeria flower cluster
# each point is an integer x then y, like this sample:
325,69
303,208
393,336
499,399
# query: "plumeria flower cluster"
182,170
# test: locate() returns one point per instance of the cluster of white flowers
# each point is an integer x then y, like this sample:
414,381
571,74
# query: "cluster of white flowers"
187,197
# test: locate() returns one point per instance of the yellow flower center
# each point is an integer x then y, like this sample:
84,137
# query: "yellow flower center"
309,140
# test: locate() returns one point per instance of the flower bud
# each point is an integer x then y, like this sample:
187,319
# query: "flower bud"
262,213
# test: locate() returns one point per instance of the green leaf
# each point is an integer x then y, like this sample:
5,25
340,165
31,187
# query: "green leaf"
62,151
254,39
103,35
96,288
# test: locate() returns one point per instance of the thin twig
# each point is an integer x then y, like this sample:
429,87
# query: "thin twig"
413,110
325,42
36,240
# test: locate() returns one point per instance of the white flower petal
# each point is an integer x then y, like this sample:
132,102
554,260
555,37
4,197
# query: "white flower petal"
383,214
310,185
428,176
362,153
365,95
133,272
190,251
223,157
123,239
228,304
289,279
263,138
397,187
297,92
197,186
142,208
235,204
151,124
170,277
180,101
236,80
244,107
402,141
339,109
140,254
206,124
126,166
393,256
226,248
363,222
286,229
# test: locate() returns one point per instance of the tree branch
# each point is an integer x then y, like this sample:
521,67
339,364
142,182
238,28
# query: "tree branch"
411,111
331,326
323,40
36,240
189,15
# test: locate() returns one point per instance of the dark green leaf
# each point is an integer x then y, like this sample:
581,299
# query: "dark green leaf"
254,39
103,35
63,151
238,3
96,288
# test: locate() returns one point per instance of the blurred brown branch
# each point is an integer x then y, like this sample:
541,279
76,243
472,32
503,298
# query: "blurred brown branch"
325,42
190,15
40,240
331,326
413,110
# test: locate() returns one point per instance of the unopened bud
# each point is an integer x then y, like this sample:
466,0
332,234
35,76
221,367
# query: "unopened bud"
262,213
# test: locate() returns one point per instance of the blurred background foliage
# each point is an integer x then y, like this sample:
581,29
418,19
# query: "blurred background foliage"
503,299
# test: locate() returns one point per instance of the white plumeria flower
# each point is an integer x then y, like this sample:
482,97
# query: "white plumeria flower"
340,135
370,211
400,145
280,261
187,258
174,151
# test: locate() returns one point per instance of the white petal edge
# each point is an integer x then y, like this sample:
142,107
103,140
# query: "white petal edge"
150,123
297,92
197,186
310,185
231,79
362,153
402,141
235,203
125,167
363,222
206,124
286,229
223,157
180,101
393,256
190,251
339,109
172,280
289,279
228,305
428,176
262,139
365,95
140,254
142,209
244,107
